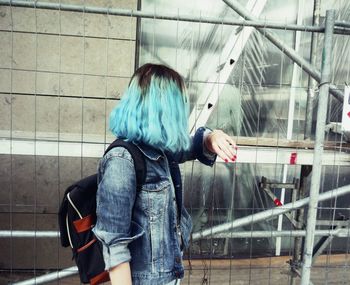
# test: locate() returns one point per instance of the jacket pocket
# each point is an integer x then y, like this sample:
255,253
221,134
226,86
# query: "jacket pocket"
153,198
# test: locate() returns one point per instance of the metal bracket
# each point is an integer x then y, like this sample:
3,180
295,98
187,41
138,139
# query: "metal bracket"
266,186
322,244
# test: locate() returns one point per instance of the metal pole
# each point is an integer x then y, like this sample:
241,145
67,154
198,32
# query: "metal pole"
343,24
290,122
261,216
138,38
340,232
49,277
162,16
312,85
29,234
343,233
305,65
299,275
298,241
306,169
318,150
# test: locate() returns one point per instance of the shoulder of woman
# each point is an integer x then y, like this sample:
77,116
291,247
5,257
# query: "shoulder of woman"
118,152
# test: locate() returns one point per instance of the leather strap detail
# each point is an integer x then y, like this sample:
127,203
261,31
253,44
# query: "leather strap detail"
87,245
84,224
102,277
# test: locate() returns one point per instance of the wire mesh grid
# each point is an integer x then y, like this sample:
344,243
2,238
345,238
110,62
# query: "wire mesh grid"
62,72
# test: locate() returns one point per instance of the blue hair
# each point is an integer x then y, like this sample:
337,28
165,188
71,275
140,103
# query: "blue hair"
154,110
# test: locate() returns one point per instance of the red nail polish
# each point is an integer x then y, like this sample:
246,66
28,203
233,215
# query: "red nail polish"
226,160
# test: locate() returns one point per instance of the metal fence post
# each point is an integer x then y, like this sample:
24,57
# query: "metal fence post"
318,150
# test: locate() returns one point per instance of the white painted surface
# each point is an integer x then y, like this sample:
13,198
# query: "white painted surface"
246,154
345,126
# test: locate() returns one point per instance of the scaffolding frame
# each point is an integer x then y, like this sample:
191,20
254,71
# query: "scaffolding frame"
323,78
220,231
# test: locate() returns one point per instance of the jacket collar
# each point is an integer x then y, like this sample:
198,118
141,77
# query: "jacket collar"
149,151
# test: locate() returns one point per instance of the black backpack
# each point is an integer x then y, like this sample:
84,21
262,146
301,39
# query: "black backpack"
77,217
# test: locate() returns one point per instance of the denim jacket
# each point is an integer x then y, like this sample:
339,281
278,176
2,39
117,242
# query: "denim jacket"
143,227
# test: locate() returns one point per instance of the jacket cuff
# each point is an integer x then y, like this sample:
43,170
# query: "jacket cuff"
115,255
115,247
201,152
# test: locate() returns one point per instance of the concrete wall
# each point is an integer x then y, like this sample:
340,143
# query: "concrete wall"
60,75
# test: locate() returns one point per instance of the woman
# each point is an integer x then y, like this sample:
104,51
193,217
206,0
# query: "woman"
144,232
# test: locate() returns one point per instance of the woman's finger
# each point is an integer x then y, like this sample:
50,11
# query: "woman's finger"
223,145
225,151
220,152
229,150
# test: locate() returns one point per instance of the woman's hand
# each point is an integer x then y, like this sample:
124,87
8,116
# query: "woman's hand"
222,144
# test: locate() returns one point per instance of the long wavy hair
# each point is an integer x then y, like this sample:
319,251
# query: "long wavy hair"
154,109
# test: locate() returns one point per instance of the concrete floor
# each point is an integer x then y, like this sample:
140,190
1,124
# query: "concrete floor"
333,269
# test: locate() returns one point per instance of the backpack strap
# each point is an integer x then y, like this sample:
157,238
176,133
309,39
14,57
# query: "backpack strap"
176,178
137,156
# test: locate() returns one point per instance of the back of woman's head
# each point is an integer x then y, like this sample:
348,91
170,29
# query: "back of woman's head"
154,109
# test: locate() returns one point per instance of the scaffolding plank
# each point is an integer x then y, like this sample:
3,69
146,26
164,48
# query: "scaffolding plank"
285,143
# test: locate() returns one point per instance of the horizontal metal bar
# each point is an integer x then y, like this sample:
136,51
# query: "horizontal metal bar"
49,277
280,185
51,148
341,232
29,234
261,216
160,16
343,24
341,31
329,223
